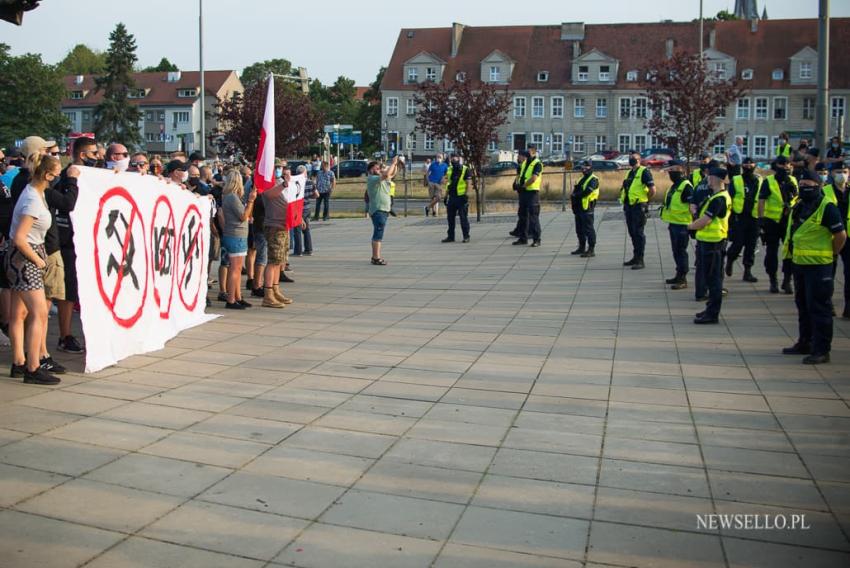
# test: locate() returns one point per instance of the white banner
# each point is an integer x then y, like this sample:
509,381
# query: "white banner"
142,251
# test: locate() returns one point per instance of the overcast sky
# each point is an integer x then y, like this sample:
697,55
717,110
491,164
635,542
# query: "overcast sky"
329,38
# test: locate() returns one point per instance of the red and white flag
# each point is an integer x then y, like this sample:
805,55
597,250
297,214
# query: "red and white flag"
293,194
264,170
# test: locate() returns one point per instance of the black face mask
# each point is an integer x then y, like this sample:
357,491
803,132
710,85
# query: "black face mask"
676,177
808,193
633,162
90,162
748,172
781,174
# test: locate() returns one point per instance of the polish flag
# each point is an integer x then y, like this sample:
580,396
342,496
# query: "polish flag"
264,170
293,194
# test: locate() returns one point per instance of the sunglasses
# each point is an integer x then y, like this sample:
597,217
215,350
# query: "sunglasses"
54,153
125,154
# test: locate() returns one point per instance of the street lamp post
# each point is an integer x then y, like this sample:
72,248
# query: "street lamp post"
203,89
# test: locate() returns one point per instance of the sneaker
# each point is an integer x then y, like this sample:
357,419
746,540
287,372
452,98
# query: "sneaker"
535,244
69,344
234,306
51,366
798,349
17,371
466,239
520,242
447,240
257,292
40,377
222,297
816,359
244,303
308,253
296,254
249,284
427,211
285,278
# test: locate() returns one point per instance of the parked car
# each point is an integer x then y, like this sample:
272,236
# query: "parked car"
609,154
622,160
352,168
294,164
656,160
604,165
498,168
651,151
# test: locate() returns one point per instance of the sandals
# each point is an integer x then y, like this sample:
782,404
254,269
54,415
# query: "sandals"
379,262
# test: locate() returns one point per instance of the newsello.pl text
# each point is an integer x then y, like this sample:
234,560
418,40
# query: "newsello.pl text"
752,522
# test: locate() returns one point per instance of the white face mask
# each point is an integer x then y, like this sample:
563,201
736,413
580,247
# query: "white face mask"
184,177
120,165
278,172
824,177
840,178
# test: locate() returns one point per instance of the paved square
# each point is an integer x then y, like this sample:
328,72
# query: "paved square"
479,405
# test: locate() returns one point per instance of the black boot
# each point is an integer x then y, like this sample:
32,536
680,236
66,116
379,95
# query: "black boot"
589,253
799,348
774,284
579,250
630,262
748,275
638,265
786,284
681,284
674,279
729,265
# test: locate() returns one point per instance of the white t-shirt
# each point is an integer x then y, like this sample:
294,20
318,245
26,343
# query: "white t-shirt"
32,203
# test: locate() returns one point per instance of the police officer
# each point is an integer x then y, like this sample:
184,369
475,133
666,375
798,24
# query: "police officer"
783,148
522,156
744,192
530,180
712,228
777,192
638,188
583,202
841,190
815,234
702,192
457,202
676,213
822,171
698,174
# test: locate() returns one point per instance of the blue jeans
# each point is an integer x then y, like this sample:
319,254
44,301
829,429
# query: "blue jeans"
324,198
262,248
679,244
379,223
300,235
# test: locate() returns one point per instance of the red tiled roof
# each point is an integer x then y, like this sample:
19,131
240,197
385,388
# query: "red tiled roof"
636,46
360,92
161,91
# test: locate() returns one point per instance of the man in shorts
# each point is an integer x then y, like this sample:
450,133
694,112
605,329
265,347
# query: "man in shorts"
436,173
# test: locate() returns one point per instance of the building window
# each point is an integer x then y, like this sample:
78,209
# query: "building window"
558,143
411,107
460,77
625,108
150,137
582,72
806,70
601,108
149,116
605,73
392,106
412,75
640,107
71,116
624,143
86,115
578,144
837,107
140,93
519,107
640,142
760,146
537,140
161,116
656,141
184,93
493,145
774,141
747,74
557,107
538,107
601,143
742,111
181,116
448,146
761,108
579,108
631,76
76,95
780,108
722,113
430,74
429,142
720,70
778,74
808,108
495,74
543,77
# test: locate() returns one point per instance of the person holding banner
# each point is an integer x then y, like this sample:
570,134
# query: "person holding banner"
277,242
234,238
25,264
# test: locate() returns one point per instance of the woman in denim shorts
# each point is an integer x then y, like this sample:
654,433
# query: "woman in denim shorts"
234,238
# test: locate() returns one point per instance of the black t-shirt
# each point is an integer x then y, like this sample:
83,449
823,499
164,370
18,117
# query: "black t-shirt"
61,200
786,188
700,194
7,206
843,198
716,208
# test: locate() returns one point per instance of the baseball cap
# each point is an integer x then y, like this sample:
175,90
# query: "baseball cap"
196,156
821,166
176,165
35,144
781,161
718,172
278,163
748,161
809,175
532,146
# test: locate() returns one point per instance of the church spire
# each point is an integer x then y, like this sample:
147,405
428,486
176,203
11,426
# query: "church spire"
746,10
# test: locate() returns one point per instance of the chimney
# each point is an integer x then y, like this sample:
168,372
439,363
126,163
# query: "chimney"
572,31
457,35
576,49
78,80
711,39
668,48
754,25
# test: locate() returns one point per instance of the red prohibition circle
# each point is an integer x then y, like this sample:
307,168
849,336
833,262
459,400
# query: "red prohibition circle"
197,241
135,216
157,254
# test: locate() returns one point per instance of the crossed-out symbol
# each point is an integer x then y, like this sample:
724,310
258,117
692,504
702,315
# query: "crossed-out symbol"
191,247
163,241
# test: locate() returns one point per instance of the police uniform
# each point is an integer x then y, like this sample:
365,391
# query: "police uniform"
842,200
634,195
711,244
520,216
529,201
583,202
744,192
778,193
677,214
783,150
700,195
457,202
812,225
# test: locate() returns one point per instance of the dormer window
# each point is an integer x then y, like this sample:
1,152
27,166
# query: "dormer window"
495,74
806,70
136,93
583,72
412,75
778,74
543,77
186,93
430,74
605,73
747,74
720,70
631,76
76,95
460,77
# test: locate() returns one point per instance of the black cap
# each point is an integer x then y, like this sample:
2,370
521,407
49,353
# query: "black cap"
532,146
781,161
703,156
524,153
821,166
175,165
809,176
814,152
748,161
585,164
196,156
718,171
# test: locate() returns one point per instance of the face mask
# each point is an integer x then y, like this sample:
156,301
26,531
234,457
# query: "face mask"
808,192
675,177
54,182
781,174
824,177
278,172
632,162
90,162
748,172
834,145
120,165
184,177
840,178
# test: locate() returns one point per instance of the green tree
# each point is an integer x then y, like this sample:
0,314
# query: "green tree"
369,115
259,72
337,103
163,65
82,60
725,16
115,119
31,94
